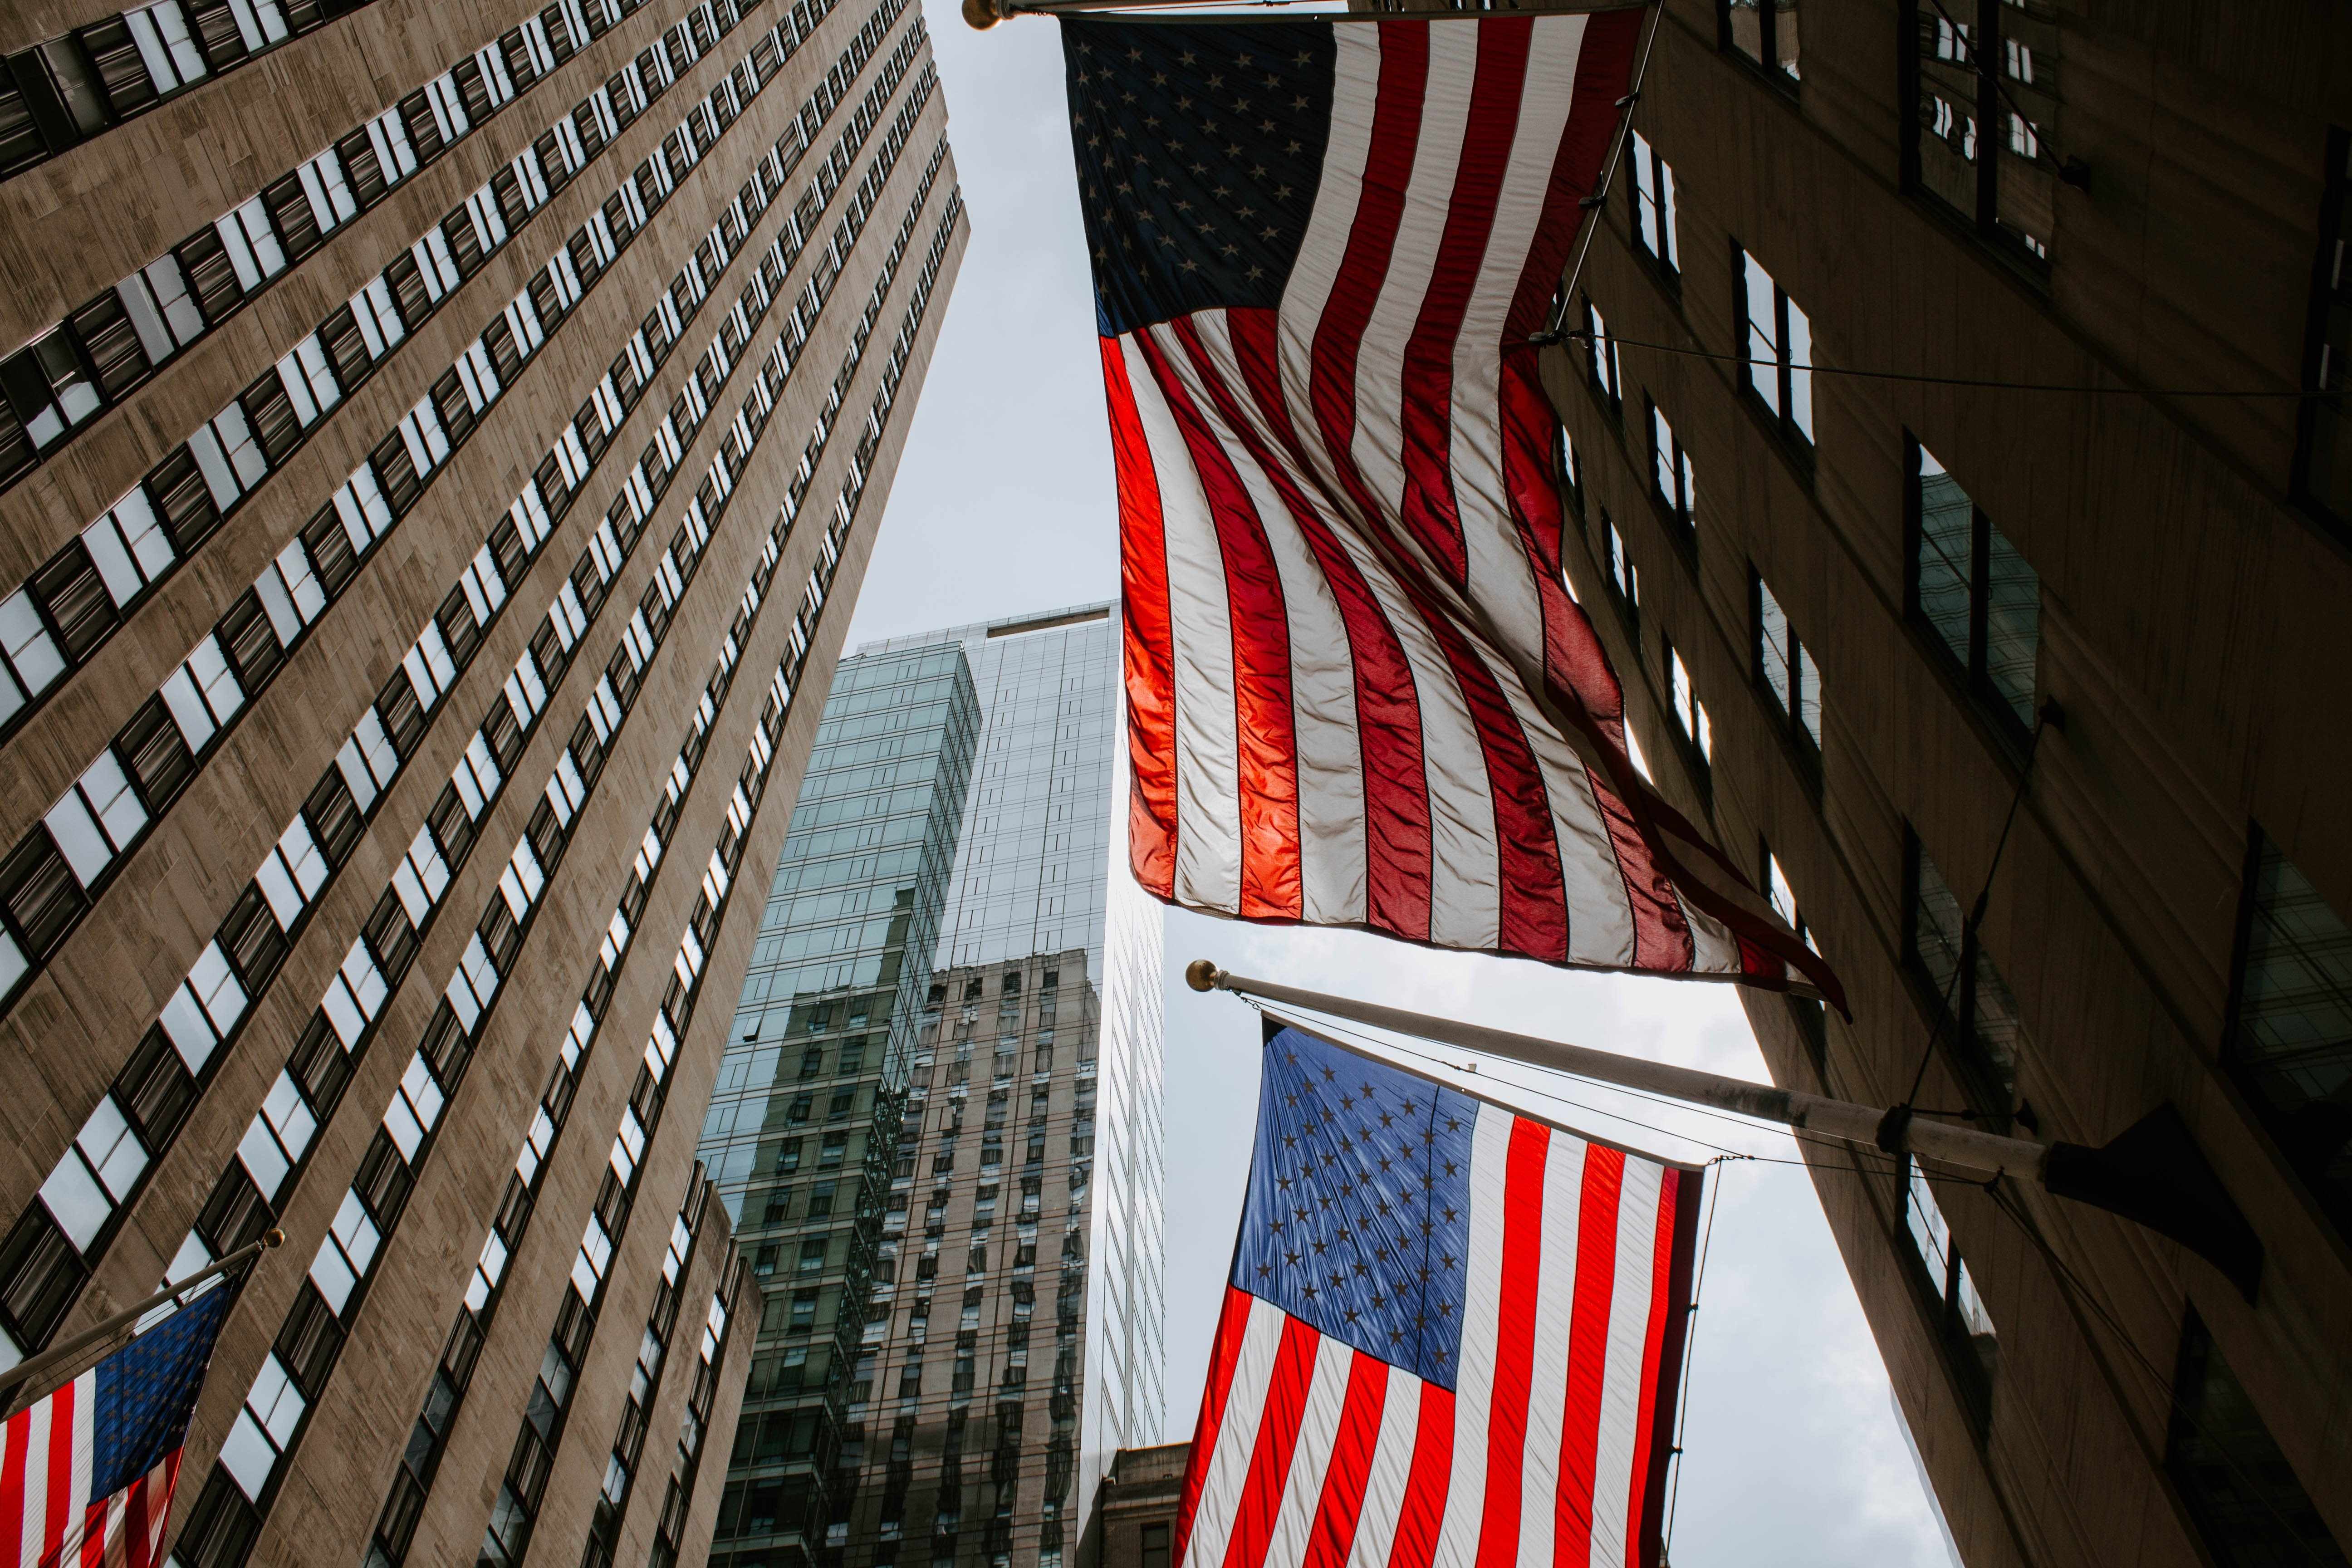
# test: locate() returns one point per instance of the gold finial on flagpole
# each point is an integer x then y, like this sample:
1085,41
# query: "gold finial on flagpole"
981,14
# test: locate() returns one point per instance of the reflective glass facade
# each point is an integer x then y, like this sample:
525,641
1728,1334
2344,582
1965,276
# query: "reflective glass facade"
987,1318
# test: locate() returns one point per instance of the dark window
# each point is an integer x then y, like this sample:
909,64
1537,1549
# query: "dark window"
1960,1316
1692,727
455,409
1971,587
110,343
1983,116
1811,1022
1601,360
41,894
71,590
1653,205
2323,460
328,545
1622,577
1672,480
39,1273
320,1066
2247,1501
339,335
291,216
1777,353
408,292
1568,470
391,937
1153,1552
212,276
334,817
271,413
250,938
235,1215
251,642
362,170
396,474
151,746
401,714
1764,31
154,1087
1968,999
2291,1028
453,829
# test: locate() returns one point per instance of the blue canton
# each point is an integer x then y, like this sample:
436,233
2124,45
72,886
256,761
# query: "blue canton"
1200,148
1358,1220
146,1390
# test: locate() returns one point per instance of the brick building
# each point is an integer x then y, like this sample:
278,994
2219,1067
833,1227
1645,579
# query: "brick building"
390,528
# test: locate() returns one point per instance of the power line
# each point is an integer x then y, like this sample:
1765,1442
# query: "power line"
1579,334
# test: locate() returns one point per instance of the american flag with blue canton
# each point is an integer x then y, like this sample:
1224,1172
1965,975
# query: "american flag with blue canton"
1453,1334
87,1472
1359,691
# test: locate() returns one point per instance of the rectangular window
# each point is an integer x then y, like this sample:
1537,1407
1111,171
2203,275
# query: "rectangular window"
2323,461
2240,1489
1624,579
1972,588
1779,353
1979,64
1653,205
1961,1318
2290,1043
1567,470
1968,997
1603,362
1811,1022
1765,31
1690,713
1785,665
1671,478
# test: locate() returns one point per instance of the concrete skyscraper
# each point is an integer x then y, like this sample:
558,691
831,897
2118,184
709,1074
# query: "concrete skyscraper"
439,446
938,1124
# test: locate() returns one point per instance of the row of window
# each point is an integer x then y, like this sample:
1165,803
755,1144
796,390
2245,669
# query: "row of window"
670,1530
55,874
116,340
226,1521
44,1259
55,621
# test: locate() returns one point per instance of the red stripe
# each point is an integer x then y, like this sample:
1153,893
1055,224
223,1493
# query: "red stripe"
1233,1325
1514,1339
1428,511
1388,709
1334,1532
1266,750
1278,1437
1604,73
1372,239
1424,1512
13,1500
1150,656
1652,1349
62,1505
1587,1354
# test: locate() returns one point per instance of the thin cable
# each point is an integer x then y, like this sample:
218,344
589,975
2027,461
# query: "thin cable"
1690,1339
1580,335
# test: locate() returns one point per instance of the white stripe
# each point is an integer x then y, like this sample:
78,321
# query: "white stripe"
1599,915
1614,1482
1310,1459
1501,584
36,1480
1465,1493
1228,1466
1323,689
1379,446
1392,1465
85,1449
1714,949
1208,810
1563,1186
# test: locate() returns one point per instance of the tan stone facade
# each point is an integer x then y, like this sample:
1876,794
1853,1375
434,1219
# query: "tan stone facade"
2167,920
1135,1514
394,691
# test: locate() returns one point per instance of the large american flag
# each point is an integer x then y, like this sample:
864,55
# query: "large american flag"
1451,1336
1359,691
87,1472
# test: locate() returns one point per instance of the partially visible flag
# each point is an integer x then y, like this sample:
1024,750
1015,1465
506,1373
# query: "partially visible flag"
1452,1337
85,1475
1359,691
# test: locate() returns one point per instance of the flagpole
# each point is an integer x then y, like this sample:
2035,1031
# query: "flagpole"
2152,1173
25,1372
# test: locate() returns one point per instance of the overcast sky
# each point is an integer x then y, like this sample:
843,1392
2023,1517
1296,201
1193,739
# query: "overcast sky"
1003,503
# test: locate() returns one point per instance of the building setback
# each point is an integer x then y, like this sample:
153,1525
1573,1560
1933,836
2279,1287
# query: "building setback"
948,1180
1842,607
443,451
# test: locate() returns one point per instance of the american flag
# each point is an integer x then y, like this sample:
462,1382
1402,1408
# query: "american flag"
1360,692
85,1474
1451,1336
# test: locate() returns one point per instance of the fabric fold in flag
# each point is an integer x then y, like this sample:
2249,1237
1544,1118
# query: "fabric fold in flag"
87,1472
1451,1338
1359,691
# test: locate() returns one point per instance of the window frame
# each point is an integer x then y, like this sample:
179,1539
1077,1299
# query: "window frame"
1654,198
1812,1015
1972,1374
1973,672
1797,438
1765,61
1973,1065
2331,280
1803,673
1694,732
1992,113
1601,345
1680,507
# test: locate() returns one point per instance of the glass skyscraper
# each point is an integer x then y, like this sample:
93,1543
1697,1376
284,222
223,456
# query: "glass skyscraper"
939,1125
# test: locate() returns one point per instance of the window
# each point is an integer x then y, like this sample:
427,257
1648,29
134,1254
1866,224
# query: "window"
1967,995
2290,1040
2239,1488
1624,578
1653,205
1975,592
1765,31
1154,1546
1568,470
1779,368
2322,464
1785,665
1811,1022
1604,359
1961,1318
1978,64
1671,479
1690,713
